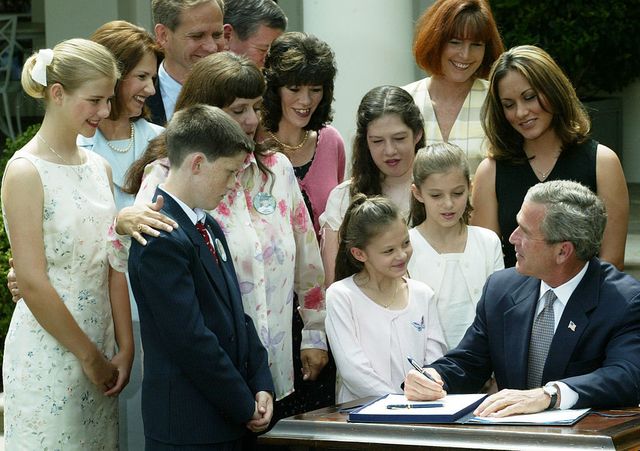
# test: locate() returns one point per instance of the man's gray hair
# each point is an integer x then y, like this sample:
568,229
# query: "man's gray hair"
246,16
167,12
573,213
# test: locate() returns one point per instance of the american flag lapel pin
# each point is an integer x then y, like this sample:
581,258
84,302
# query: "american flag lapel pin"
572,326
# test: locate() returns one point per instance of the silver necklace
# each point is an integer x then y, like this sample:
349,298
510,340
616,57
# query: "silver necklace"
72,166
132,135
543,175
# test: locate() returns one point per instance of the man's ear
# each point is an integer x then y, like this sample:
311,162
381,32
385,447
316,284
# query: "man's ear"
227,32
162,34
565,251
358,254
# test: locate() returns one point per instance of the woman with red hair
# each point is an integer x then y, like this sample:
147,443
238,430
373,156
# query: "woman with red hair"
456,42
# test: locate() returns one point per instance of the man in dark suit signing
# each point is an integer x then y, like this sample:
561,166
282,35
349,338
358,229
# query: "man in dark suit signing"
206,377
560,330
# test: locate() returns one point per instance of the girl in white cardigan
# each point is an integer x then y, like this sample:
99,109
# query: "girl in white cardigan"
453,258
376,317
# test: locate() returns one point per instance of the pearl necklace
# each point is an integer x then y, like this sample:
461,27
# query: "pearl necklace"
129,146
287,147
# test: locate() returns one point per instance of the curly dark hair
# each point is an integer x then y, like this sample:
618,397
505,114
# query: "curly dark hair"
296,59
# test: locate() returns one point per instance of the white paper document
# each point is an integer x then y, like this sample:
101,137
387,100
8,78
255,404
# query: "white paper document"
548,417
451,404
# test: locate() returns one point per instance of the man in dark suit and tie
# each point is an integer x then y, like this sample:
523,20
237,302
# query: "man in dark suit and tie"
560,330
206,377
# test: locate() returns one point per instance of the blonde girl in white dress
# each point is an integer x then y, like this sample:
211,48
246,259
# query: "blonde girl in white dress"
453,258
376,317
69,348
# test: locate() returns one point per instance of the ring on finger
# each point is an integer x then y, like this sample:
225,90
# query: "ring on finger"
140,227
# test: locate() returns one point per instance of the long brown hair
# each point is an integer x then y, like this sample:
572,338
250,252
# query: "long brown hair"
366,176
129,43
556,95
216,80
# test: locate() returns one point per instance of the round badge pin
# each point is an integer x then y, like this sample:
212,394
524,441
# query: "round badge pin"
264,203
220,250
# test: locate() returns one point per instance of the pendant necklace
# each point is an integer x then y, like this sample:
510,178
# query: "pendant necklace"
393,300
72,166
132,136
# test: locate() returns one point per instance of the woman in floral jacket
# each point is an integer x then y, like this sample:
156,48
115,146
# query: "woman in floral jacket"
265,221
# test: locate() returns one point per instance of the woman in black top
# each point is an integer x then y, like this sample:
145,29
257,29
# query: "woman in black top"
538,131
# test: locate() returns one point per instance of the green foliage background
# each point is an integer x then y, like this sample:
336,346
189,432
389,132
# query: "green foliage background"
596,42
6,304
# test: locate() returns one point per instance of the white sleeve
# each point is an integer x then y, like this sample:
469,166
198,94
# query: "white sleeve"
337,204
354,367
436,344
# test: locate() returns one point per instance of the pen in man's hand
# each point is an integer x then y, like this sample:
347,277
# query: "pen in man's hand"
415,405
420,369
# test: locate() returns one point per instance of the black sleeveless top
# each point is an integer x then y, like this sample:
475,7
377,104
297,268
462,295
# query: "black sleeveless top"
577,163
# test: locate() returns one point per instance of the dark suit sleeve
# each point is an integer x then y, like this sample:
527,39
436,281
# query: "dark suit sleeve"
616,382
259,374
467,367
167,283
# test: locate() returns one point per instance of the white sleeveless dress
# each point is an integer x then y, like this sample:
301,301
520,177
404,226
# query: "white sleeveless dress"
49,402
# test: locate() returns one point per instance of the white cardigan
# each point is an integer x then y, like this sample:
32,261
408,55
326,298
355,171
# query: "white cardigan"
370,344
481,257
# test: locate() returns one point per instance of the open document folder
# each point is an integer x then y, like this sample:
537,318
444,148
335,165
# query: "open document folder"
452,409
397,409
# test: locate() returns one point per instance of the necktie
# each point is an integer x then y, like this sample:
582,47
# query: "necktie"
541,336
203,231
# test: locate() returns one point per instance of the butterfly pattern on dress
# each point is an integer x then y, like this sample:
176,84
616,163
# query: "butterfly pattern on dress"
268,341
419,326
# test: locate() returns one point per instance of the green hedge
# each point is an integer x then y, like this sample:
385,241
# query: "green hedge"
6,304
596,42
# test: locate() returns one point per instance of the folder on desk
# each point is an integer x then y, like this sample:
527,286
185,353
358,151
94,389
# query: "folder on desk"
545,418
453,407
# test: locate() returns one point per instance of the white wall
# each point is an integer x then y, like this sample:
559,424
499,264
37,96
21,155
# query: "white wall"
66,19
372,44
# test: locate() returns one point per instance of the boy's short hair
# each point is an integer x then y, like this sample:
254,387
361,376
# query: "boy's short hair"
206,129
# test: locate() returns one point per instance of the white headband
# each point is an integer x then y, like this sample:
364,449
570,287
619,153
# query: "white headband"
39,71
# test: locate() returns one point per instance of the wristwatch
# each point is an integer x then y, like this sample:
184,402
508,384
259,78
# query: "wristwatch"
552,391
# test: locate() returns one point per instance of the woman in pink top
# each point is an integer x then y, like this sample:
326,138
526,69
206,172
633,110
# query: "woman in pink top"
300,71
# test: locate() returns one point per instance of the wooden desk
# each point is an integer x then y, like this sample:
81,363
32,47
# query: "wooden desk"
328,429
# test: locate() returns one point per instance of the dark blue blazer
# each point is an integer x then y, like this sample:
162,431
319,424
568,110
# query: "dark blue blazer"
203,360
600,359
156,107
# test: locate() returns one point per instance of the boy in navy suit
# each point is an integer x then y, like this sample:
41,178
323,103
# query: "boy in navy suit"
206,376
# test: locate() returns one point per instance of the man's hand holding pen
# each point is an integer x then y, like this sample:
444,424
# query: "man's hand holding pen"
418,387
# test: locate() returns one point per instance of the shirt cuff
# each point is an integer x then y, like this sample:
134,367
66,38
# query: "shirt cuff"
313,339
568,397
